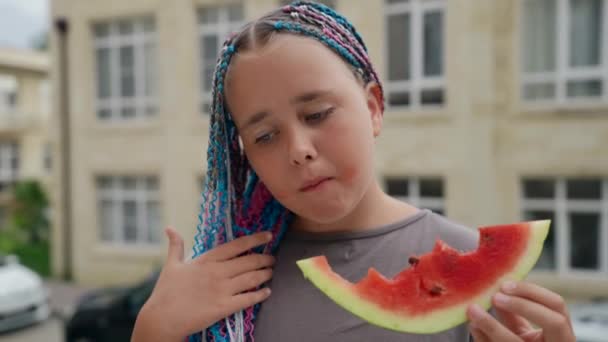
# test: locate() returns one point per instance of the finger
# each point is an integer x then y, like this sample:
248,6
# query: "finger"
247,263
490,327
513,322
250,280
247,299
236,247
553,323
478,335
176,246
536,294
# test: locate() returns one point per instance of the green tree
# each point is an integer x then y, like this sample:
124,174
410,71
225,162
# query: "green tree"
29,212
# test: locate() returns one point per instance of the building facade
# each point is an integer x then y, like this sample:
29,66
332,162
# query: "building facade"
497,111
25,143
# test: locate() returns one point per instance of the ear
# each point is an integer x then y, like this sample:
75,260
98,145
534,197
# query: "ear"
375,106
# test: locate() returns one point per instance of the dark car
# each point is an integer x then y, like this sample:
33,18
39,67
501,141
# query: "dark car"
108,314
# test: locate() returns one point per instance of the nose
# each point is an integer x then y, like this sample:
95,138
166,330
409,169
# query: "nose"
301,149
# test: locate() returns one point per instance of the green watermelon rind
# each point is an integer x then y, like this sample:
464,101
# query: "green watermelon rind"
340,291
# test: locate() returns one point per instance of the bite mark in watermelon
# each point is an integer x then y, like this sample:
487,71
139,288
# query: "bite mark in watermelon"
433,293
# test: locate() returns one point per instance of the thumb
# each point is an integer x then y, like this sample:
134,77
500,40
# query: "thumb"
176,245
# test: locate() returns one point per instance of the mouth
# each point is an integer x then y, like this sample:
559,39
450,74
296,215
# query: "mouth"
315,184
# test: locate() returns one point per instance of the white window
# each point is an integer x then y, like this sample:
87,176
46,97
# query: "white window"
129,209
9,164
126,71
215,24
328,3
578,208
422,192
415,52
564,56
8,94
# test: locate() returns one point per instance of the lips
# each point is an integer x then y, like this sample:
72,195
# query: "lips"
313,184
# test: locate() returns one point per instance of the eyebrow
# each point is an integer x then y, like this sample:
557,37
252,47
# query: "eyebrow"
309,97
303,98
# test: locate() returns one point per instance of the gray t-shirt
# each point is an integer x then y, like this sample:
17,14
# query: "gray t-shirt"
298,311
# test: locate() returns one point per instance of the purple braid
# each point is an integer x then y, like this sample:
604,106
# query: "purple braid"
235,202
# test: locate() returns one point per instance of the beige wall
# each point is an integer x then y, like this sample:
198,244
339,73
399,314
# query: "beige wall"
481,142
28,124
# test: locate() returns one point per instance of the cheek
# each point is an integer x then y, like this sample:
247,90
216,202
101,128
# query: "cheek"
351,154
350,174
270,175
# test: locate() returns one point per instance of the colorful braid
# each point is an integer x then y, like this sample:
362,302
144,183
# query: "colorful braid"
235,202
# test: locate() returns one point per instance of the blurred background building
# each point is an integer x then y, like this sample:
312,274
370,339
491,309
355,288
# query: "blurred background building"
25,111
497,112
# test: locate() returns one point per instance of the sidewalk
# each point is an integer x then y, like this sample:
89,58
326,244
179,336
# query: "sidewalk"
63,296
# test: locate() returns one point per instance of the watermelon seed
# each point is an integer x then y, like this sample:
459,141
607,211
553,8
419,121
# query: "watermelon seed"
486,238
436,290
413,261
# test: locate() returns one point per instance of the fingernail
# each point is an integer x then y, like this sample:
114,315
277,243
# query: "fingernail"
267,291
509,286
268,236
501,299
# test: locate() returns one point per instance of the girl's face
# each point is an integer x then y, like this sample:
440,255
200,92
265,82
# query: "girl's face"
307,125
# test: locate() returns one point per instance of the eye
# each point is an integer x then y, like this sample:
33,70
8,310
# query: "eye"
320,116
264,138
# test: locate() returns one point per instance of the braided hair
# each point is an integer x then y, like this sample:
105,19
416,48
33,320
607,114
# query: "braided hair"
235,202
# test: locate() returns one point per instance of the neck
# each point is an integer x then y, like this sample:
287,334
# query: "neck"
375,209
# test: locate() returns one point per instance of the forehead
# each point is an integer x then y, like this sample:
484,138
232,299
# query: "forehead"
285,67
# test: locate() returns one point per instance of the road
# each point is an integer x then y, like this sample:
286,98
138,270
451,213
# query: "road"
49,331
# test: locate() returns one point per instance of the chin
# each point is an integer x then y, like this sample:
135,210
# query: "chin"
325,215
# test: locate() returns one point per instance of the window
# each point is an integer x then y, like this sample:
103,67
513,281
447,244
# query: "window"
561,50
215,24
421,192
8,94
328,3
129,209
126,71
578,208
415,43
9,164
47,157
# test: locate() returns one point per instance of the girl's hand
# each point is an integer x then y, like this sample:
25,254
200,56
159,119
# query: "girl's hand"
516,306
191,296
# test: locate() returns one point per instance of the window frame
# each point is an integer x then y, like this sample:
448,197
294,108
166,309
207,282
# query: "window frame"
9,175
220,29
414,196
564,73
137,40
562,207
418,82
117,195
9,94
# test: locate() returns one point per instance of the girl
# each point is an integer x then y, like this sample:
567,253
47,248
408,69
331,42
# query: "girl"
296,109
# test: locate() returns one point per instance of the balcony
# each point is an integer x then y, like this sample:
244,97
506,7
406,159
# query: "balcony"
19,121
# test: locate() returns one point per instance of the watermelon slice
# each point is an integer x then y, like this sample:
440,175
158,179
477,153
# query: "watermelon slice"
433,293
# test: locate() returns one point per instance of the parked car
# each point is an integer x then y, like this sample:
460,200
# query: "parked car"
590,321
24,300
108,314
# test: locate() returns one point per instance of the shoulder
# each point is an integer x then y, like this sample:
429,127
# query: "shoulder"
454,234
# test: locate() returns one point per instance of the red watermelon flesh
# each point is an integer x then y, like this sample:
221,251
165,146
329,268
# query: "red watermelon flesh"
432,294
